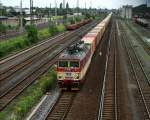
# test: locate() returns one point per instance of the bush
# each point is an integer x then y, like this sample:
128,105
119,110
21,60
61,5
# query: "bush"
52,28
3,28
43,34
61,28
12,45
77,19
72,21
32,33
87,16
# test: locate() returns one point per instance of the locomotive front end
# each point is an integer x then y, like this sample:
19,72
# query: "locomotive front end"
68,74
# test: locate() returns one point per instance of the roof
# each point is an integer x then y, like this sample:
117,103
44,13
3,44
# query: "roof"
93,34
89,40
73,53
3,17
29,18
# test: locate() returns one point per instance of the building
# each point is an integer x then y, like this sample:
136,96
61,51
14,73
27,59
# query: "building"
126,12
3,19
12,21
77,14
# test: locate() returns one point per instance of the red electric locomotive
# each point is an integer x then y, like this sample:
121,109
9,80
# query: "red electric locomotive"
72,66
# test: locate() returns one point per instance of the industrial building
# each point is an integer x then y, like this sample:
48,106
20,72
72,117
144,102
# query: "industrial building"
126,12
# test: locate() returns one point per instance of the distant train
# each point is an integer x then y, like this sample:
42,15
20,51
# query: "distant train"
77,25
142,22
73,63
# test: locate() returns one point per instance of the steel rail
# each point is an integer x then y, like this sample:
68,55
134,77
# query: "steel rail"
135,73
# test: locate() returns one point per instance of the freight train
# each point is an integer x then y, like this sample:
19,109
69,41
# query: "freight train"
77,25
141,22
73,63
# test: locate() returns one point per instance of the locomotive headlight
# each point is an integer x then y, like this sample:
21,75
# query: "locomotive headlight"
60,76
76,76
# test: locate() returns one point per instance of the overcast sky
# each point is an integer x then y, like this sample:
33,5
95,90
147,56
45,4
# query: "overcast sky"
94,3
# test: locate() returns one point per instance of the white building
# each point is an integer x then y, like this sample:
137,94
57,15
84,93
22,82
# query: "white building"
77,14
126,12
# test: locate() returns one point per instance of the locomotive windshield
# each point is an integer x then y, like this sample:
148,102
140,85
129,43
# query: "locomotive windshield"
63,63
74,64
69,64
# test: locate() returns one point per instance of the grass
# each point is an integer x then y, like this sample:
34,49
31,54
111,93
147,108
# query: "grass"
61,28
43,34
13,45
57,17
21,42
23,104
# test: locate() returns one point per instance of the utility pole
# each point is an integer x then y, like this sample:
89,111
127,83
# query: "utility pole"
64,12
21,17
85,7
55,12
50,12
77,6
1,8
64,3
73,13
90,7
31,11
146,3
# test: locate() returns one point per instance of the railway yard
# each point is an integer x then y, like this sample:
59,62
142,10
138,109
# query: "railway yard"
116,83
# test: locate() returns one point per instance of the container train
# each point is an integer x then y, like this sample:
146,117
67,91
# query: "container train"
73,63
77,25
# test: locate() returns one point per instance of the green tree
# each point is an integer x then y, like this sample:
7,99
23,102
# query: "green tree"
87,15
67,7
3,28
32,33
60,6
72,21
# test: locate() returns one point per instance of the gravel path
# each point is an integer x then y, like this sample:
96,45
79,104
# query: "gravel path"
44,106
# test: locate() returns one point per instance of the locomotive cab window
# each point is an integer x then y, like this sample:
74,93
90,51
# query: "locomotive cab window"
63,63
74,64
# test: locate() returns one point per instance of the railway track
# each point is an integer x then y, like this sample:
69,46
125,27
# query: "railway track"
139,75
108,102
14,91
144,44
7,63
7,67
10,34
62,107
8,74
11,61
